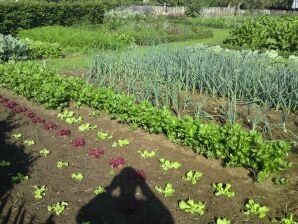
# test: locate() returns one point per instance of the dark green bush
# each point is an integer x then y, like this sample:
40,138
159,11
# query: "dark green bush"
29,14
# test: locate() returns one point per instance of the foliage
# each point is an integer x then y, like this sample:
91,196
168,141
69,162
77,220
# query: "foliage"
103,135
254,208
78,142
27,14
120,143
61,164
223,189
42,50
17,136
97,153
100,190
69,117
222,221
45,152
280,181
268,32
77,176
40,191
12,48
168,190
167,164
191,206
4,163
117,162
290,219
192,176
146,154
29,142
231,143
58,208
19,178
87,127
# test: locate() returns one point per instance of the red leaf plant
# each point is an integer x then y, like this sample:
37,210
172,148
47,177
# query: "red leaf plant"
50,126
38,120
97,153
78,142
117,162
63,132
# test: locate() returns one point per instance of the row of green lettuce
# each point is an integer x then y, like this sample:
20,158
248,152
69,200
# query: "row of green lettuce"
236,146
14,49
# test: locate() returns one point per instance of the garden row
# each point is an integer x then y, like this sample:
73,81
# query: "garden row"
231,143
189,205
170,76
14,49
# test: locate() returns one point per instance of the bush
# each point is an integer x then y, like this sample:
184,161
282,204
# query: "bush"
12,48
29,14
267,32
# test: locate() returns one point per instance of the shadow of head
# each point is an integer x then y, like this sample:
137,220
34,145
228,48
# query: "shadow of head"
128,200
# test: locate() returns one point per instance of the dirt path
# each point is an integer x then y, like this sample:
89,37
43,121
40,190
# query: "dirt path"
129,200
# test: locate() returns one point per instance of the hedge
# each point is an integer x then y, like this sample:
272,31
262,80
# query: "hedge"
26,15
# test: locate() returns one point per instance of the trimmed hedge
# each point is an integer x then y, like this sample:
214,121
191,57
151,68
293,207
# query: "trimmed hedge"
231,143
26,14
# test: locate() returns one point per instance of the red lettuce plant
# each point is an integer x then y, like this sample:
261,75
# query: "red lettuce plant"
29,114
38,120
63,132
117,162
97,153
78,142
50,125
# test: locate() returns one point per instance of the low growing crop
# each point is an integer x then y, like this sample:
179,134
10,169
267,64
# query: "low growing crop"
61,164
29,142
63,132
77,176
191,206
168,190
222,221
69,117
50,126
4,163
223,189
290,219
256,209
17,136
40,191
87,127
100,190
146,154
19,178
121,143
45,152
167,164
96,153
78,142
58,207
192,176
103,135
117,162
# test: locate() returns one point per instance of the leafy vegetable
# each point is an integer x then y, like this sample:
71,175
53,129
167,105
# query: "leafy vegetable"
87,127
17,136
223,189
146,154
222,221
103,135
286,220
280,181
192,176
167,164
77,176
69,117
117,162
78,142
100,190
256,209
61,164
45,152
97,153
190,206
63,132
4,163
168,190
40,191
121,143
58,208
29,142
19,178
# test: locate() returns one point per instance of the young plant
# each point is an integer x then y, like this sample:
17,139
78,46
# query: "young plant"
253,208
223,189
29,142
77,176
58,208
50,126
4,163
286,220
280,181
97,153
45,152
121,143
69,117
103,135
19,178
117,162
63,132
87,127
192,176
168,190
167,164
222,221
146,154
190,206
40,191
78,142
17,136
100,190
61,164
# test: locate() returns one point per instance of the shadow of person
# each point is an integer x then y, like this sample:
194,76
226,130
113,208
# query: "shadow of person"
128,200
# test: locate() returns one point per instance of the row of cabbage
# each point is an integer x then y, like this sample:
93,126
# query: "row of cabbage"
160,74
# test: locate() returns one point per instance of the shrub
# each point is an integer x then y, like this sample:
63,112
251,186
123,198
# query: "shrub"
12,48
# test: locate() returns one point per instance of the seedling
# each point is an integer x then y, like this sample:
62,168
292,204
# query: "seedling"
222,221
77,176
100,190
146,154
167,164
253,208
93,113
29,142
58,208
117,162
17,136
223,189
40,191
45,152
280,181
286,220
78,142
103,135
192,176
190,206
69,117
63,132
168,190
60,164
87,127
97,153
19,178
121,143
4,163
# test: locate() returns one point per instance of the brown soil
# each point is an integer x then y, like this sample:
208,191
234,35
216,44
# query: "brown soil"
123,205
